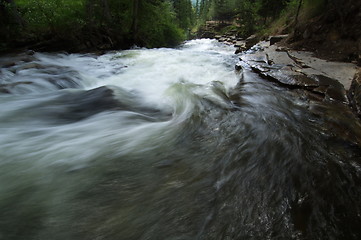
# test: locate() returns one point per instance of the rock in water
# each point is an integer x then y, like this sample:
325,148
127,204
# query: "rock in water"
251,40
78,105
354,93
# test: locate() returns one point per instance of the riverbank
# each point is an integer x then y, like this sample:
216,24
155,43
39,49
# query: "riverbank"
322,84
277,61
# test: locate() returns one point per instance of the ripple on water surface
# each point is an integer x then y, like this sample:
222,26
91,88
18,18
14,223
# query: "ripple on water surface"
169,144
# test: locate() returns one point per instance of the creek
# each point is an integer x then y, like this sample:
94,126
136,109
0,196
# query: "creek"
168,144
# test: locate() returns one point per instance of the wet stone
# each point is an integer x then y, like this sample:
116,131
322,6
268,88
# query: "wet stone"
296,70
238,67
79,105
355,93
29,66
8,64
7,88
30,52
333,89
4,90
240,44
285,77
338,119
338,94
250,41
306,81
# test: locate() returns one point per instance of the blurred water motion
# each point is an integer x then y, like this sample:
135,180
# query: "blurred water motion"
167,144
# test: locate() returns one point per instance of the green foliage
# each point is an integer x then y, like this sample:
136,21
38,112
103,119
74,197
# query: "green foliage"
10,22
284,21
157,26
228,29
251,15
247,16
270,9
149,23
55,16
316,7
224,10
204,10
184,13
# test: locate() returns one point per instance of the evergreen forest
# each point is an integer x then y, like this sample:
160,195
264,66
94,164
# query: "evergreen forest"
119,24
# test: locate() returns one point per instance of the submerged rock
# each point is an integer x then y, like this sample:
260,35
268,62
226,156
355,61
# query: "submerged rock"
30,52
15,76
354,93
7,88
251,41
76,106
240,45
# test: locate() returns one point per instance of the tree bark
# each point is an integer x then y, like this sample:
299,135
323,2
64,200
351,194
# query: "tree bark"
89,6
12,13
134,27
106,11
298,11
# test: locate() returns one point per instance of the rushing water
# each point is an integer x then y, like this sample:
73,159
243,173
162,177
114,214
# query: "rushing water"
169,144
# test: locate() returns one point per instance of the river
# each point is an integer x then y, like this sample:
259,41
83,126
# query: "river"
168,144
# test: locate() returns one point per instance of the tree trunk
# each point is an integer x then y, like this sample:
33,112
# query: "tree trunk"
106,11
134,27
11,12
298,12
89,6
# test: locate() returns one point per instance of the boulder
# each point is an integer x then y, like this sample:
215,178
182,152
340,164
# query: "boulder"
8,64
276,39
240,44
7,88
30,52
251,40
78,105
354,93
331,88
30,66
238,67
238,50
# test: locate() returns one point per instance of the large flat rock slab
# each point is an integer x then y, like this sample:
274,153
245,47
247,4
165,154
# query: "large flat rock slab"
297,69
341,71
